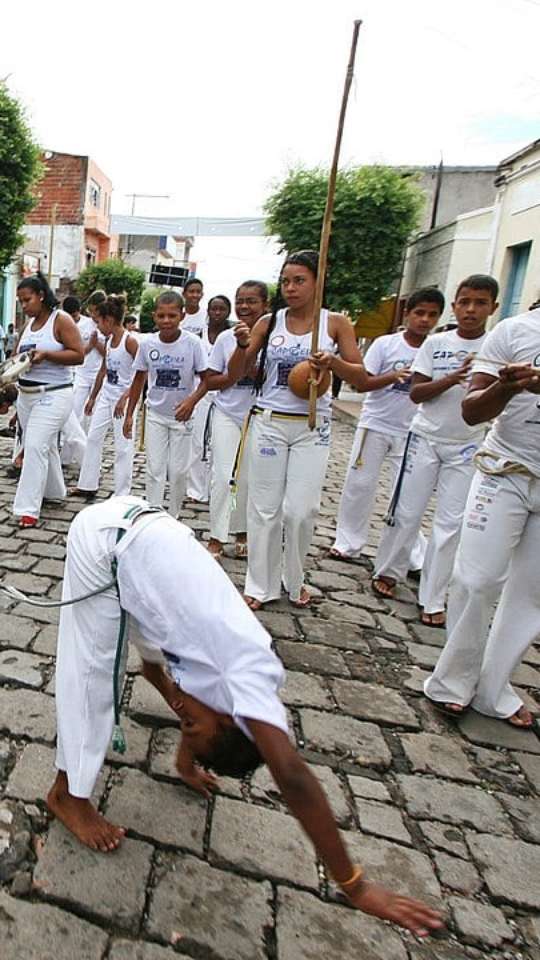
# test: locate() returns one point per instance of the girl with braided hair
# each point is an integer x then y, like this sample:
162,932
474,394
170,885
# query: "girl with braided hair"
286,460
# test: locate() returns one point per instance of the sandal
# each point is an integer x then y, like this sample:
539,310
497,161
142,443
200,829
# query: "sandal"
87,495
386,591
215,549
453,710
241,549
427,619
253,603
522,719
304,599
27,522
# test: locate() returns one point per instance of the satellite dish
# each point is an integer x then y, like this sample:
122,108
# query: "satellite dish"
48,154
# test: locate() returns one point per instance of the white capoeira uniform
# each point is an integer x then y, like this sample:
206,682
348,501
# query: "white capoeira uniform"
380,435
172,371
497,558
41,417
286,467
198,486
231,406
118,376
439,454
181,606
85,375
195,323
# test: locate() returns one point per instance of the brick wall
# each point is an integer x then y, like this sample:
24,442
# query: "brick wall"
64,183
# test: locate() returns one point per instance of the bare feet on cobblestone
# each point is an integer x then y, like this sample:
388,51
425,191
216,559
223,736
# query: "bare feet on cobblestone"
253,603
383,587
304,599
82,819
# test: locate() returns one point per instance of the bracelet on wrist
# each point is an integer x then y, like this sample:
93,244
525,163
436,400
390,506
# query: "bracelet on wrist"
242,346
355,878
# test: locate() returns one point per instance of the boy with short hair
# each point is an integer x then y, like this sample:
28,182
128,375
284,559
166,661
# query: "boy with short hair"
223,682
195,319
439,453
383,423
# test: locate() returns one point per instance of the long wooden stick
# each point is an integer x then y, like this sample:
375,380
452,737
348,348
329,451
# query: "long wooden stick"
327,222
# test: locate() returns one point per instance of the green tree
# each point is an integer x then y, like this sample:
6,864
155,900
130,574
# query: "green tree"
148,305
376,209
20,169
113,276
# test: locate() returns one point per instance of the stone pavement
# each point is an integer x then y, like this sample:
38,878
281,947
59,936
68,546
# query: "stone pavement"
447,813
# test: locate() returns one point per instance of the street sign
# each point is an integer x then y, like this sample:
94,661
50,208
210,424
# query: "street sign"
166,276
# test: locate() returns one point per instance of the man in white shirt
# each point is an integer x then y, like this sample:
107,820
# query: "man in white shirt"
383,424
223,682
500,540
195,318
438,454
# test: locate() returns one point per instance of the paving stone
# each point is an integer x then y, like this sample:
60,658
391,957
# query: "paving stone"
431,949
331,581
30,584
131,950
40,614
301,689
346,636
457,874
339,611
368,788
405,870
163,812
371,701
34,931
340,736
51,551
382,820
10,544
16,631
19,563
216,913
428,753
414,679
532,926
530,766
312,657
108,886
358,571
37,535
46,641
17,666
148,706
510,868
444,836
308,929
452,803
494,733
27,713
432,636
264,787
526,676
278,624
480,923
392,626
525,813
532,656
422,654
408,612
49,568
138,742
34,772
162,761
261,841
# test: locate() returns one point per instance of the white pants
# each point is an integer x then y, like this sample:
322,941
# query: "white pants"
360,490
41,417
498,551
198,485
103,418
223,519
287,464
449,468
73,441
87,640
169,454
81,393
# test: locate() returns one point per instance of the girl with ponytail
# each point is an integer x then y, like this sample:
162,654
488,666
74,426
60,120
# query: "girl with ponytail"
286,460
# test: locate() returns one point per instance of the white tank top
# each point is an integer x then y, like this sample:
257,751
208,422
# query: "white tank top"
44,339
118,369
285,350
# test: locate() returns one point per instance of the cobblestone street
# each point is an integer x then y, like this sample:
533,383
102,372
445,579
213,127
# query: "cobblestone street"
448,813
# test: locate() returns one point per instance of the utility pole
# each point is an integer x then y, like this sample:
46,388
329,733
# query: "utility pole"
146,196
51,241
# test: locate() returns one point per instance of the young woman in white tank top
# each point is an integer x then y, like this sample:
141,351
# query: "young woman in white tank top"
286,460
107,403
45,396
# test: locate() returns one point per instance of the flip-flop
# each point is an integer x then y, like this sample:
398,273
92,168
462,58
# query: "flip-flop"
435,626
27,522
384,594
253,603
520,726
241,549
446,708
304,601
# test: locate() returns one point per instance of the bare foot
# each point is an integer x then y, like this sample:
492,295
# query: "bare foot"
82,819
523,719
215,548
304,599
253,603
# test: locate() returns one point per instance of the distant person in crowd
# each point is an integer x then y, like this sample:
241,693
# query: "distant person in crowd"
383,425
438,454
11,340
195,317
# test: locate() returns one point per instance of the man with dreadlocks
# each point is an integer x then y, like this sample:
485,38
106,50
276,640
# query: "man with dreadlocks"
286,460
222,682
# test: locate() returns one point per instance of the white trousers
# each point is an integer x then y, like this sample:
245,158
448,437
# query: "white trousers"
223,519
169,454
81,393
73,441
198,485
87,639
102,419
287,463
360,489
498,551
41,417
449,468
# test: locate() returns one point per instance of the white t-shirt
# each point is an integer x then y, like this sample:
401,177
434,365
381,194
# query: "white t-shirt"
440,419
185,605
389,410
285,350
195,322
172,370
515,435
88,370
234,401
